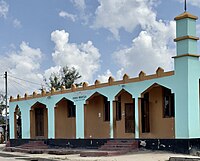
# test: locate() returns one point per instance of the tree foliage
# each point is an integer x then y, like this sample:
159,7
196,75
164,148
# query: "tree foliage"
2,107
65,77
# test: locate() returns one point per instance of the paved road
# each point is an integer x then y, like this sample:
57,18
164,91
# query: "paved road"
140,156
4,156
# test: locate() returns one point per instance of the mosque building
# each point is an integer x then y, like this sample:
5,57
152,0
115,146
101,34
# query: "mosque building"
162,106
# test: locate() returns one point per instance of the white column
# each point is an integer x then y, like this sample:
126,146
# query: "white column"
136,119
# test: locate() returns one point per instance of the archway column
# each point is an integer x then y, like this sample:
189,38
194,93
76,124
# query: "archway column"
79,119
136,118
51,122
25,115
11,121
111,119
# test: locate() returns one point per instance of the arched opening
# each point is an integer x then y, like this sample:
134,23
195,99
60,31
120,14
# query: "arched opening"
39,121
65,119
97,117
157,113
124,115
18,123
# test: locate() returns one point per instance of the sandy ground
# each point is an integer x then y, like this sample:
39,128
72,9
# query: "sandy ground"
134,156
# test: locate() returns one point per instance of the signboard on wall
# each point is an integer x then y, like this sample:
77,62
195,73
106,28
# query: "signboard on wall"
80,96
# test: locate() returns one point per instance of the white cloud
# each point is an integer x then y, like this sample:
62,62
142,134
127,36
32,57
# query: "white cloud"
192,2
68,15
83,14
23,64
153,47
17,23
105,76
120,73
127,14
84,57
48,72
150,50
80,4
4,8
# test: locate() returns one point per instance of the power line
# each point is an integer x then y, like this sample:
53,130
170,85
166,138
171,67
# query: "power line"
17,83
25,80
22,85
26,102
19,91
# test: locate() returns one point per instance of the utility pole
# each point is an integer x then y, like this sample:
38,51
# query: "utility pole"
6,96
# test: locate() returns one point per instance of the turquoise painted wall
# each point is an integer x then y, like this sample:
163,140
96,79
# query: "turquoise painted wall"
178,83
111,91
187,46
186,27
184,84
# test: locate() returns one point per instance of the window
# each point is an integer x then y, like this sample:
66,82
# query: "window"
168,97
71,109
106,109
145,113
118,109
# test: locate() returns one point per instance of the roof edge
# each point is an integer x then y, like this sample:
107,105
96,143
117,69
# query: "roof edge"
185,15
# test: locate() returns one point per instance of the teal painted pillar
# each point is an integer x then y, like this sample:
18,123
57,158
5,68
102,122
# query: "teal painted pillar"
79,119
111,119
193,98
11,122
181,98
136,118
25,113
51,121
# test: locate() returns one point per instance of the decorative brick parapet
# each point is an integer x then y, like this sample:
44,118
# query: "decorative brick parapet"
97,84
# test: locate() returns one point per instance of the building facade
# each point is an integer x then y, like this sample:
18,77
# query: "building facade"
164,105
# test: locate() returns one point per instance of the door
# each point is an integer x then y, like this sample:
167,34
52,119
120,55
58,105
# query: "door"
145,113
19,126
129,118
39,121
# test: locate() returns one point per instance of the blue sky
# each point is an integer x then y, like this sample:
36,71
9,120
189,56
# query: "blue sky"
99,38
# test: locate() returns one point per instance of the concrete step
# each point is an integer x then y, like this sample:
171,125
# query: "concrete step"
120,145
34,145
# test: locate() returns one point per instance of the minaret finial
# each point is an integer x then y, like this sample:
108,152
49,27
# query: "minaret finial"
185,6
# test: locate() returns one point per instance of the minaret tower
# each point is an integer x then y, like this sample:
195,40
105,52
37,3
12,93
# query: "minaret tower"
187,75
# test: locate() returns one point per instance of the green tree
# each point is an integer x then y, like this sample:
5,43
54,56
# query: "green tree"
65,77
2,107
